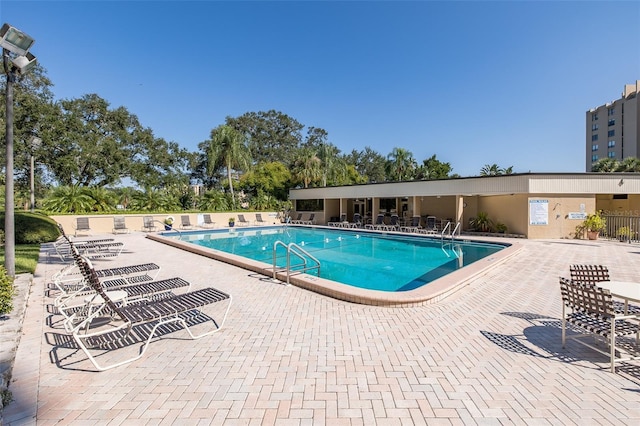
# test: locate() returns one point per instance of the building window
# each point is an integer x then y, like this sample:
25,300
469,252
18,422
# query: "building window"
594,127
594,138
594,158
611,144
309,205
611,154
594,147
594,117
611,133
611,111
612,122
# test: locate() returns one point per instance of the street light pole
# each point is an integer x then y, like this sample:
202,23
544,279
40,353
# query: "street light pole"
34,143
9,208
16,61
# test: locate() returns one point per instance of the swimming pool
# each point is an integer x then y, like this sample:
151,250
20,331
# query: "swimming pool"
434,292
385,262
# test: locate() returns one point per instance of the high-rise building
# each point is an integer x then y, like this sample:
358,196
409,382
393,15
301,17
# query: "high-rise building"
613,129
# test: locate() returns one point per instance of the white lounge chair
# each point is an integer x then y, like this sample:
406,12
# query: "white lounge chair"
139,323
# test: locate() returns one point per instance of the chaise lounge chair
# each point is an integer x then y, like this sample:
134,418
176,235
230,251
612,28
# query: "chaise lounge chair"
129,290
119,225
377,225
393,224
310,220
259,220
340,222
148,224
413,226
430,226
94,249
207,222
82,226
185,222
242,221
138,323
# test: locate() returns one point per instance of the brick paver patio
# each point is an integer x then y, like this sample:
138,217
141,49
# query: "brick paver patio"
489,354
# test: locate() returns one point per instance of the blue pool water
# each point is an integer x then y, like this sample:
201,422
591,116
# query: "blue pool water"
367,260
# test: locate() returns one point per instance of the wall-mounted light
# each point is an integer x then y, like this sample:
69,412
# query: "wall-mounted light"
621,182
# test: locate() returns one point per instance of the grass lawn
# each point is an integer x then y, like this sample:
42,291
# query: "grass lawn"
26,257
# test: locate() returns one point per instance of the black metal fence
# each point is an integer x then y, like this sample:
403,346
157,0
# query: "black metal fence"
621,226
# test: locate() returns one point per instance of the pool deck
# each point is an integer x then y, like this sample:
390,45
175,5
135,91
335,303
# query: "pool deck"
487,354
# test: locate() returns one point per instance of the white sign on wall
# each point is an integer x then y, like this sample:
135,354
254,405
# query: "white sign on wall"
577,215
538,212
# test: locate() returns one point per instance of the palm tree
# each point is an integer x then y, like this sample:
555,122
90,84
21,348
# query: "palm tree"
605,165
229,148
495,170
154,200
400,165
629,164
125,195
69,199
490,170
307,167
103,199
213,201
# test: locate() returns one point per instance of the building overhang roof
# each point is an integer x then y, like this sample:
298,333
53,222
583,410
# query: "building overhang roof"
525,183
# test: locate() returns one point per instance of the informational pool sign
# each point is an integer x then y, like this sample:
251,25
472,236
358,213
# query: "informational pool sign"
538,212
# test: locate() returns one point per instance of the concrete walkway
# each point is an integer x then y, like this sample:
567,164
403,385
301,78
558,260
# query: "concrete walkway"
489,354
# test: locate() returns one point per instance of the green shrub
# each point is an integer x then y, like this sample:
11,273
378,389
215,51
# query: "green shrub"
33,228
6,292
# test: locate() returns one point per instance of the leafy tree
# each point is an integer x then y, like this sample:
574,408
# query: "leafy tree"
368,163
272,135
228,147
432,168
34,113
157,163
316,137
93,143
400,165
69,199
272,179
352,176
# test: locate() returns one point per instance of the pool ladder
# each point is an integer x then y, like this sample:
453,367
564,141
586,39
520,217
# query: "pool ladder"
298,252
453,233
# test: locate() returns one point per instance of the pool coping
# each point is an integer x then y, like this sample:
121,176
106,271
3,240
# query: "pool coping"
427,294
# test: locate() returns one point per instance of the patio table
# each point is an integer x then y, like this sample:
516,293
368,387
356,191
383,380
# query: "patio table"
629,291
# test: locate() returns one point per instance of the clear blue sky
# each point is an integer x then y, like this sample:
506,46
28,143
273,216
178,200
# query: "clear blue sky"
474,83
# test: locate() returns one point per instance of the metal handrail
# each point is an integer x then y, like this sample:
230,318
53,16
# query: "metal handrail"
447,226
297,251
170,226
453,234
